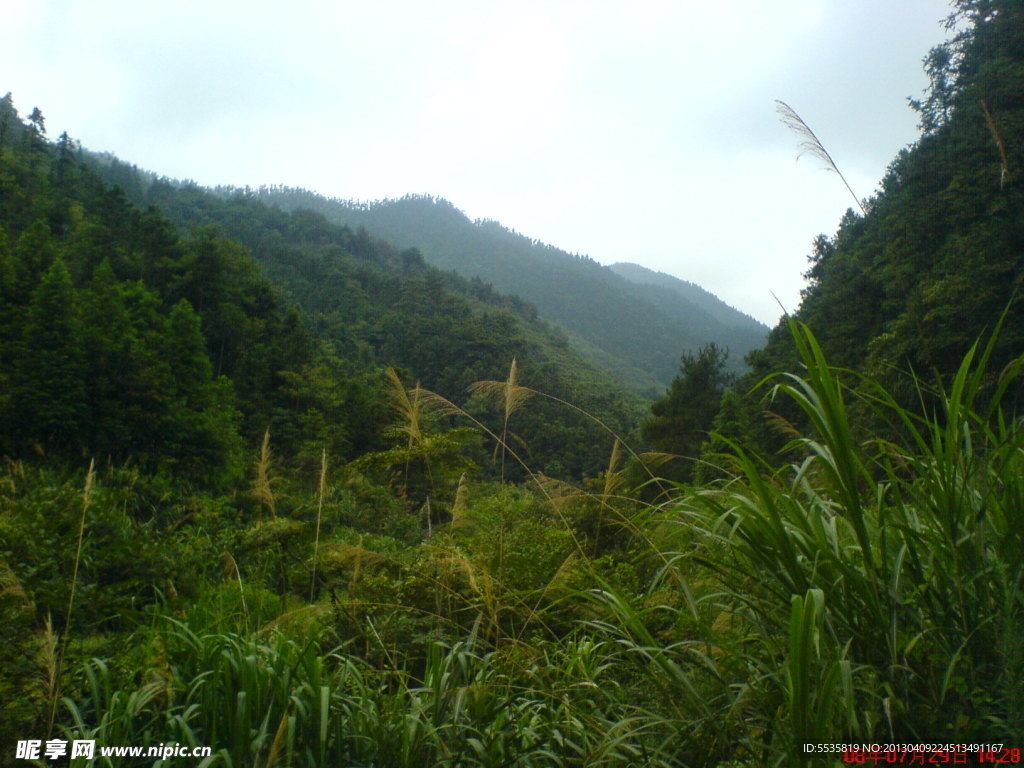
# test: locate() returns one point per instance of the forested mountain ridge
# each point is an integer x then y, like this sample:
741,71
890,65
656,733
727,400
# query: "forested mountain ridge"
690,293
637,333
351,306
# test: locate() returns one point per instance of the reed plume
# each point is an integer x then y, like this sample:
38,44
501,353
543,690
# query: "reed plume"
261,488
319,515
509,396
811,145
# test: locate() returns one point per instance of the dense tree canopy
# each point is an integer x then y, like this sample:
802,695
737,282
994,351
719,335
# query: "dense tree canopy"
294,340
630,323
378,305
680,420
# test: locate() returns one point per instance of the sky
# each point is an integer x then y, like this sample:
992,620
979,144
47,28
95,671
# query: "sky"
641,131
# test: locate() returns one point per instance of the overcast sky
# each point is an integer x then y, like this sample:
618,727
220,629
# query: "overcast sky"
638,131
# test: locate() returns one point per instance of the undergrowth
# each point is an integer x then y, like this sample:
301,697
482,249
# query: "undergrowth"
867,591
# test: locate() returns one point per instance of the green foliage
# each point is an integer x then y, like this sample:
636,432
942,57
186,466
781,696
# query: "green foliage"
122,562
870,591
681,419
516,536
48,382
19,686
378,306
632,324
294,704
886,574
121,340
911,284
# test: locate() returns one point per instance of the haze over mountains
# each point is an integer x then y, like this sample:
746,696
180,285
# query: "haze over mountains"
627,319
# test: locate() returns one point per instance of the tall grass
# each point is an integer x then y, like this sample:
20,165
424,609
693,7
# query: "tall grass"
321,489
283,702
869,590
261,487
53,662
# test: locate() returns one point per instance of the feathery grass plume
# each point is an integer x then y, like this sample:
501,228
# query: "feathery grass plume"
49,661
461,503
481,581
613,480
1005,170
358,551
811,145
781,426
561,578
13,596
414,406
280,737
509,397
90,478
613,476
261,489
231,567
15,471
319,514
428,516
406,404
651,460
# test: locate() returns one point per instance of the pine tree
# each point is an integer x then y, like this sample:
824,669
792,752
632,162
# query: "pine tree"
202,424
680,420
48,385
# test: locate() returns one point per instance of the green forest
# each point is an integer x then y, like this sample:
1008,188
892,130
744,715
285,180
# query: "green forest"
631,322
273,485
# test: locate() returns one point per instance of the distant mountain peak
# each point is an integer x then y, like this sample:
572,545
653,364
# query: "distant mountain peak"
633,322
689,291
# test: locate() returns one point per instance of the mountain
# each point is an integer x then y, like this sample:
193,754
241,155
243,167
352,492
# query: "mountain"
271,320
690,293
227,520
627,327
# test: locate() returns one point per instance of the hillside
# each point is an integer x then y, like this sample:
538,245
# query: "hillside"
302,316
627,328
938,256
235,527
690,293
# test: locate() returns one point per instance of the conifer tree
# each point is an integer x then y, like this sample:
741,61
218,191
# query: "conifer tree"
680,420
48,388
202,427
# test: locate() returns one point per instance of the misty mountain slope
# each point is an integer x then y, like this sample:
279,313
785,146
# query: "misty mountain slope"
690,292
643,329
374,305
